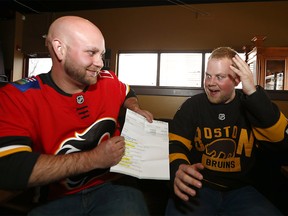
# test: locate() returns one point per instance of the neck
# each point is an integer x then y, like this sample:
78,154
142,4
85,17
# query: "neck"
66,83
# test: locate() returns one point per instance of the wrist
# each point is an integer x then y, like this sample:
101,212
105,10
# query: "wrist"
135,108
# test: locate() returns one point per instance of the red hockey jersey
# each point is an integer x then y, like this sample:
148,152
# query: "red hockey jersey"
50,121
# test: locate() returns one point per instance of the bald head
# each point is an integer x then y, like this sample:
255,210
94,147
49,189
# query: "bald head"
76,47
68,29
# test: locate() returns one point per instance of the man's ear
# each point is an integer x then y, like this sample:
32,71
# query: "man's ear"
59,49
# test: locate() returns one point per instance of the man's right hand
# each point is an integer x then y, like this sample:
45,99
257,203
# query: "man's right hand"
187,176
110,152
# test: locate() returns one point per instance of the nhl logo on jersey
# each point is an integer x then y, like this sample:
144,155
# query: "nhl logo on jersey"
221,116
80,99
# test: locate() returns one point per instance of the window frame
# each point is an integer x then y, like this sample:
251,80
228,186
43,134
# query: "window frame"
166,90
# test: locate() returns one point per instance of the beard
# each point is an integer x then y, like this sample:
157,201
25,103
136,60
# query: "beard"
219,98
216,100
79,73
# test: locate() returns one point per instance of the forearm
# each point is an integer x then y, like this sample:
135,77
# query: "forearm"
51,168
132,104
261,111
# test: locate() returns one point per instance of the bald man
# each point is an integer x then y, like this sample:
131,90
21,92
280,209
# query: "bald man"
60,129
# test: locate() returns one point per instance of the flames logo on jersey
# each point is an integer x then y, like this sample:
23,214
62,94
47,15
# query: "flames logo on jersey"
100,131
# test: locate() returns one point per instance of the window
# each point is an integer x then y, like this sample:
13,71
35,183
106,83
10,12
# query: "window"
175,69
138,68
39,65
164,73
181,69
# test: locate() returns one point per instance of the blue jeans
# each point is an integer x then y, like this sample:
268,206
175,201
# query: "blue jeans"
239,202
105,199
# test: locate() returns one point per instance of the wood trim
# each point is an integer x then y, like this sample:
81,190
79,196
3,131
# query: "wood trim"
280,95
166,91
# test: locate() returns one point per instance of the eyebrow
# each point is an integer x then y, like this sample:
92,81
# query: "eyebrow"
217,74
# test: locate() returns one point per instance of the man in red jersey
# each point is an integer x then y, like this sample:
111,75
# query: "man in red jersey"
60,129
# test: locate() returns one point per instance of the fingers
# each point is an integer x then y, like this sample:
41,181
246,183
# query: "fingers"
242,67
146,114
183,189
118,146
241,64
182,193
245,75
119,142
187,179
111,151
190,174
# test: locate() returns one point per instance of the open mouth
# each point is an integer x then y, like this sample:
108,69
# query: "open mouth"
213,92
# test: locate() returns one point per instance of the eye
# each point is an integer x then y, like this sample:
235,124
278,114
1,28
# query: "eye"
208,76
91,52
220,77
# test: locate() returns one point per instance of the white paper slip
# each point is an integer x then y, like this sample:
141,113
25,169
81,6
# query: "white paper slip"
146,148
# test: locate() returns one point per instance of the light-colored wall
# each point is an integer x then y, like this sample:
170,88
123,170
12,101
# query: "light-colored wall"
161,106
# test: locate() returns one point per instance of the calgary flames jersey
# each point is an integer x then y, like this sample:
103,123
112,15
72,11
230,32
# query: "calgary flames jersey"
47,120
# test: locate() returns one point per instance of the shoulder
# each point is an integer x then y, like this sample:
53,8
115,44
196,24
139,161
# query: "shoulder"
198,98
239,93
21,87
25,84
22,92
194,102
109,79
105,74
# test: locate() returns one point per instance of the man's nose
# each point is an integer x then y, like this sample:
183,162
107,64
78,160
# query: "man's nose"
98,61
211,81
